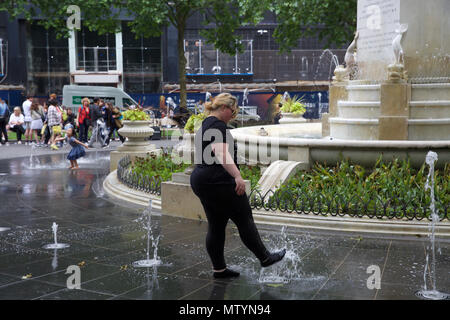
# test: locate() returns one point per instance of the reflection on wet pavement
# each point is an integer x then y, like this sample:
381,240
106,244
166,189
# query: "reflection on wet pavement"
105,238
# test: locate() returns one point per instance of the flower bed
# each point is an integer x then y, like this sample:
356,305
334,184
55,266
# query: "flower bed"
393,190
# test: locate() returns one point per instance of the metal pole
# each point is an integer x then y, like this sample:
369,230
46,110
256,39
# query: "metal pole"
96,59
1,56
48,63
107,58
200,69
251,56
236,62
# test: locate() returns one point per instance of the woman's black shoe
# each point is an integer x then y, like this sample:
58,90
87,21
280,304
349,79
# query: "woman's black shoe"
227,273
273,258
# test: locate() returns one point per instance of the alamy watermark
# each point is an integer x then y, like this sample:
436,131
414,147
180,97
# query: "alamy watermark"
374,280
263,151
74,280
74,20
374,18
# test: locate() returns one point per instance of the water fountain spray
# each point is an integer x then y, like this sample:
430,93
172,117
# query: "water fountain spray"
3,182
433,293
147,217
285,96
290,268
55,245
32,158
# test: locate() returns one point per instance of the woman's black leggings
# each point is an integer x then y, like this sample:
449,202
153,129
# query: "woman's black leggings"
221,203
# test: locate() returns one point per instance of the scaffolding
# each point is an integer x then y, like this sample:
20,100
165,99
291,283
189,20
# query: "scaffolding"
204,59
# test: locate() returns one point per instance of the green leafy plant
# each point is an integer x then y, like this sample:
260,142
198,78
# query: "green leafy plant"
157,166
135,115
252,173
194,122
393,185
163,166
293,105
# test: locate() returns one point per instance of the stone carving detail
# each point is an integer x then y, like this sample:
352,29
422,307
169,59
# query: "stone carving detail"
350,56
348,72
396,71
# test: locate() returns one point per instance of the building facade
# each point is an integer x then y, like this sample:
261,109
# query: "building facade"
40,62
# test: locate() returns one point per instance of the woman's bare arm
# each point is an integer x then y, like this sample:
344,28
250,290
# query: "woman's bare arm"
225,159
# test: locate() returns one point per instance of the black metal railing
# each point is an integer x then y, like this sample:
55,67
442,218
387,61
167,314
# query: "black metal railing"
137,181
354,206
287,201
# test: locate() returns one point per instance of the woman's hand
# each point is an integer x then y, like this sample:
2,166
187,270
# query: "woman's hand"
240,186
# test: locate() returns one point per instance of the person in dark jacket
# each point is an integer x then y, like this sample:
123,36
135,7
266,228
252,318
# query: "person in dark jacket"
96,116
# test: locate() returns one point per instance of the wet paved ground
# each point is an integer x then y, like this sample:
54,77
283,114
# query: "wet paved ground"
106,238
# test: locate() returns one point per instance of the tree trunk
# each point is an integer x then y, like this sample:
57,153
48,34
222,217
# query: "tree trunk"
182,64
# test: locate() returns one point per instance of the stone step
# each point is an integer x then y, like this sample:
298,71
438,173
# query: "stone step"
354,129
429,109
359,109
363,92
429,129
430,92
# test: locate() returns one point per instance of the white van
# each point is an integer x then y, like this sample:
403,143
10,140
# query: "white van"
73,94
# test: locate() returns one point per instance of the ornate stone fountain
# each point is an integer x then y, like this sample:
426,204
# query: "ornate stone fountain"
392,98
402,87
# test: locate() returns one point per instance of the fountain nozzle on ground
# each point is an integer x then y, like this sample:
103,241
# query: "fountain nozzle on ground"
56,245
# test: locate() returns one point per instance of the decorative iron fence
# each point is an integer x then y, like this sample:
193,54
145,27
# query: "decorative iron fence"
136,181
292,202
389,207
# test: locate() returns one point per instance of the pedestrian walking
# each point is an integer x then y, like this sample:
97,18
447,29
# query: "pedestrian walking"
217,181
37,119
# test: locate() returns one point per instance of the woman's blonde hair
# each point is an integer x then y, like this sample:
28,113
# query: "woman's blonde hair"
223,99
85,99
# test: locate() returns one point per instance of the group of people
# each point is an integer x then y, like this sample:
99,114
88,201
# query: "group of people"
43,125
50,124
104,118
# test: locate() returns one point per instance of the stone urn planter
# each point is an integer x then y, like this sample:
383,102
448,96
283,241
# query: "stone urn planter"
289,117
137,134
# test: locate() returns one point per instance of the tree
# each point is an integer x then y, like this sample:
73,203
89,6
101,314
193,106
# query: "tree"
333,21
150,17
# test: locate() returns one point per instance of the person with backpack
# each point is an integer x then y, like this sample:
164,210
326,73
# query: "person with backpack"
97,123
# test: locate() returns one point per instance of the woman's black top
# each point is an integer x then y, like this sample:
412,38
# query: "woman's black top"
209,170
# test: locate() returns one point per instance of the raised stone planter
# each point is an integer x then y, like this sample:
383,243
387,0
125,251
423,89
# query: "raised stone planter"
288,117
136,132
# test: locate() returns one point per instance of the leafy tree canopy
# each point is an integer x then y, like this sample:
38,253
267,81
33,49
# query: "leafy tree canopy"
333,21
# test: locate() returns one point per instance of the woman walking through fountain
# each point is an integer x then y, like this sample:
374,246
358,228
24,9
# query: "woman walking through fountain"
216,180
